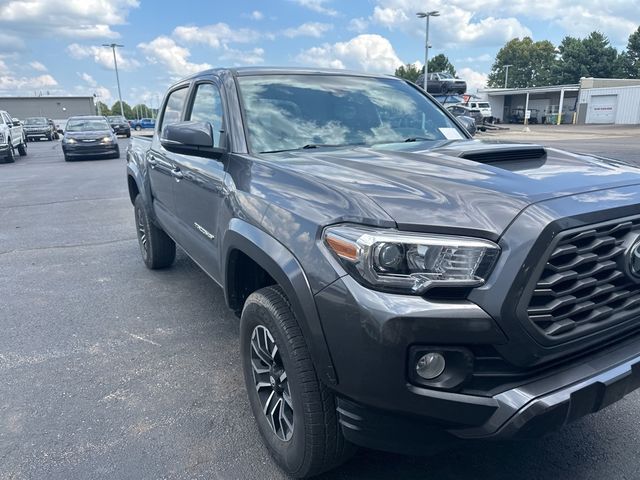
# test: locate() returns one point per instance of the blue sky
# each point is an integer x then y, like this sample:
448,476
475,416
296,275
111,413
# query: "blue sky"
54,45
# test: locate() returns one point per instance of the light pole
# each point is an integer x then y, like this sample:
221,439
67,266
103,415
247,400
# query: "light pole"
426,15
113,47
506,74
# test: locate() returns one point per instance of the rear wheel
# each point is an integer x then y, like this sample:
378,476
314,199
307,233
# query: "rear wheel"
22,148
138,128
295,412
157,248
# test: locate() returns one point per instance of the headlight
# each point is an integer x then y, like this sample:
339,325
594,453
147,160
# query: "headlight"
70,140
107,140
2,138
411,262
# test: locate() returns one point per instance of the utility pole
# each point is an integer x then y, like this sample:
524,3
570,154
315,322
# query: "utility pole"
113,47
506,74
426,44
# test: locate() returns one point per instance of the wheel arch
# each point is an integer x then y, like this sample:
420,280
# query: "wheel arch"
285,270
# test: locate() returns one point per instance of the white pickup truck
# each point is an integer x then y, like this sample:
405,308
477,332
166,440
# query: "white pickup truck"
11,138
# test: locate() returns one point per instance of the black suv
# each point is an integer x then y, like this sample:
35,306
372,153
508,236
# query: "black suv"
120,125
399,284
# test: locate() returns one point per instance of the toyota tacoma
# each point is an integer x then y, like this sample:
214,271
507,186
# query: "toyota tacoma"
398,283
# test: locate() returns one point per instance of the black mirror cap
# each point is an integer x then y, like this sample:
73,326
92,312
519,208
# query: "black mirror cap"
468,123
16,122
190,138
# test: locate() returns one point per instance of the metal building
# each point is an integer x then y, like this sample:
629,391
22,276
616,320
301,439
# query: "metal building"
609,101
56,108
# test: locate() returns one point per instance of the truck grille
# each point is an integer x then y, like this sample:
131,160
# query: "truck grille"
584,287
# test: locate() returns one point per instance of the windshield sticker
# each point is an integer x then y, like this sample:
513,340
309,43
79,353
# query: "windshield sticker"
450,133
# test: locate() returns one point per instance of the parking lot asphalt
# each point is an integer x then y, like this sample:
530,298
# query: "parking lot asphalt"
109,370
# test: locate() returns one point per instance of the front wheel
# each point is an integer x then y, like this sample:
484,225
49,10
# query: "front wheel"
295,412
10,154
157,248
138,128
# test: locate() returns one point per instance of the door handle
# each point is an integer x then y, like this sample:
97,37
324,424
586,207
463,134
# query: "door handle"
177,174
152,161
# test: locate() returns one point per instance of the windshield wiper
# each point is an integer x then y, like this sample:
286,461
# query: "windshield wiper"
417,139
315,145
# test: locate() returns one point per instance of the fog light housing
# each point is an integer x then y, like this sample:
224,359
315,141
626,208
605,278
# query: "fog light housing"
431,365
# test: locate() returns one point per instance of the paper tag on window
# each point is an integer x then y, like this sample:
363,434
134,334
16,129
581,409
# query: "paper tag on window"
450,133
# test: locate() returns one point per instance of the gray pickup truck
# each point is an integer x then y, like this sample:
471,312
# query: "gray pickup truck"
399,284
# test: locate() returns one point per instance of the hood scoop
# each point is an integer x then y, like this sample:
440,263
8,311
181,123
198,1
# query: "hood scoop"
512,153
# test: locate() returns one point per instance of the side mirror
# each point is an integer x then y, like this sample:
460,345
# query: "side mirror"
190,138
469,124
16,122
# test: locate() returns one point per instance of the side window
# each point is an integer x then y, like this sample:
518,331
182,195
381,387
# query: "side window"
173,108
207,107
6,118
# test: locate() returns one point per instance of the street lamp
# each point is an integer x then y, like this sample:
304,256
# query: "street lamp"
506,74
426,44
113,47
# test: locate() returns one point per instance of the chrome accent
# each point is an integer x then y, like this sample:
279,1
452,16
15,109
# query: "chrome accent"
204,231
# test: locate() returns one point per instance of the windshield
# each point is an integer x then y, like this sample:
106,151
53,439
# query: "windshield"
116,119
445,75
287,112
483,105
86,125
35,121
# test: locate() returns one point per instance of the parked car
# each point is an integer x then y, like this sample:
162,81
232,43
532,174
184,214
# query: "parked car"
89,136
120,125
464,111
398,283
448,99
443,82
12,138
484,107
37,128
142,123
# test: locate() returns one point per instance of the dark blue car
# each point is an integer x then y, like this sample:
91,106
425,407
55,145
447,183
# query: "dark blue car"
143,123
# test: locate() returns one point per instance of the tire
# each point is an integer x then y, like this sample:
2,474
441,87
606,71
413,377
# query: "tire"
312,441
157,248
11,157
129,134
117,154
138,128
22,148
444,88
66,158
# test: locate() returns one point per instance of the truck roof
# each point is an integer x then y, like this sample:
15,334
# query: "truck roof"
245,71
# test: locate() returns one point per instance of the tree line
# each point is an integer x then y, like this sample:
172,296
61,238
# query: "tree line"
137,111
539,64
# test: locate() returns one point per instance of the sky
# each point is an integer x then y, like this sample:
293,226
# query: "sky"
54,46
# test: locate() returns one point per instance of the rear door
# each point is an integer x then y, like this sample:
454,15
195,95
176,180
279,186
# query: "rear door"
162,173
199,193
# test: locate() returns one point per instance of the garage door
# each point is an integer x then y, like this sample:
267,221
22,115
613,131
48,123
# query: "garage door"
602,109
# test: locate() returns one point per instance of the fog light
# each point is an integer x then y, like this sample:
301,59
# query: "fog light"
430,366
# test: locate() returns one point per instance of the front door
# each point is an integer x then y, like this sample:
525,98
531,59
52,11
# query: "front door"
161,165
199,193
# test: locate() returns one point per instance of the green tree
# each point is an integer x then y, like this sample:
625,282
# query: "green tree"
408,72
531,64
440,63
628,64
128,113
102,108
592,56
141,111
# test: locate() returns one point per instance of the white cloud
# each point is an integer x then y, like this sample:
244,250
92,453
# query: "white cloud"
257,15
317,6
372,53
102,56
69,18
10,42
243,57
165,51
88,79
38,66
215,35
485,57
16,85
475,80
358,25
309,29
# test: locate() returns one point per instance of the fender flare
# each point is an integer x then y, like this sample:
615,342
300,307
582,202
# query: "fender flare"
285,269
133,171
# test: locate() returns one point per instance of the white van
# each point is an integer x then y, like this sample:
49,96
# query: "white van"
484,107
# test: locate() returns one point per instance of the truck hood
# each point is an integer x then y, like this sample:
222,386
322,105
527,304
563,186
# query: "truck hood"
437,189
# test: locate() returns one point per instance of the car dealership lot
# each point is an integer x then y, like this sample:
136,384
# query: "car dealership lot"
109,370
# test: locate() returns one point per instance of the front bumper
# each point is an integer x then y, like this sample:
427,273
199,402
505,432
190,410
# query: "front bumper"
80,150
37,134
121,130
